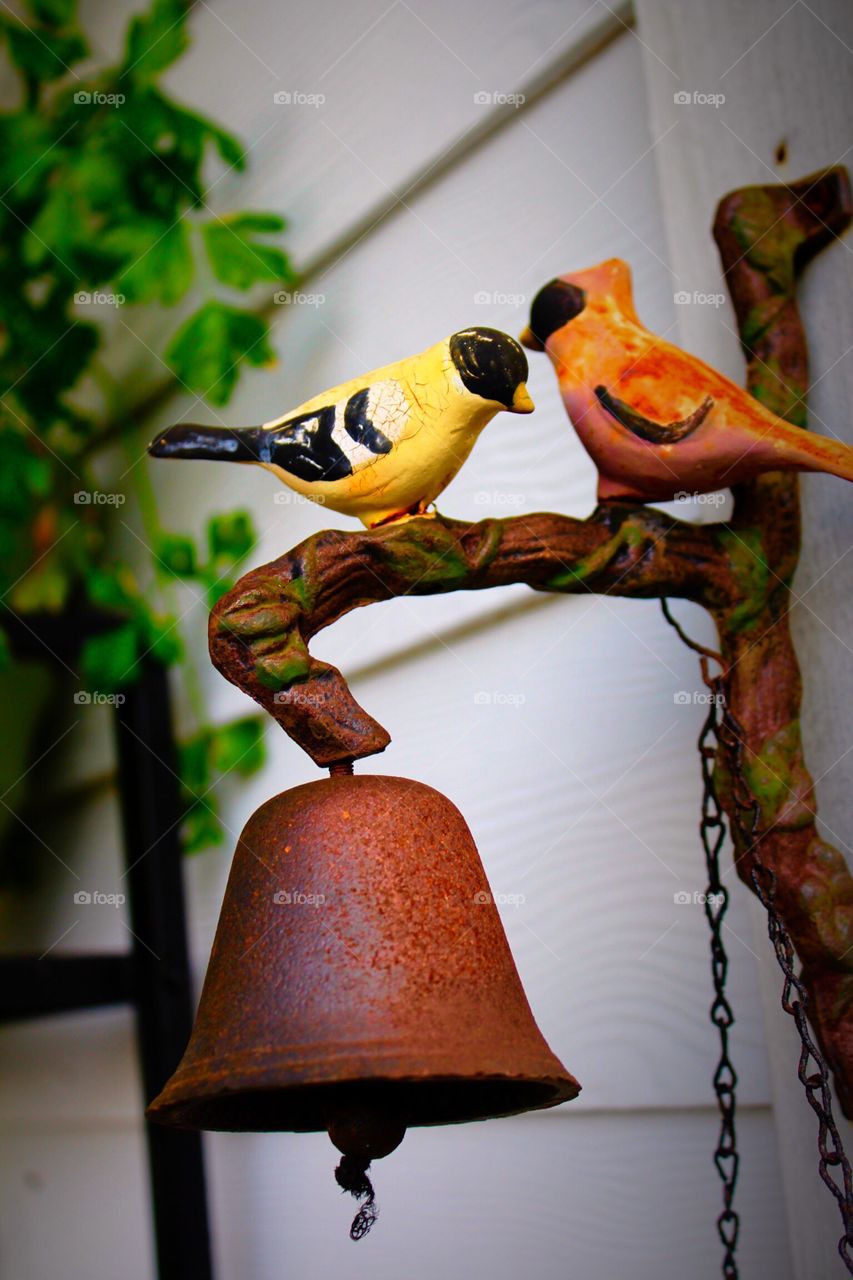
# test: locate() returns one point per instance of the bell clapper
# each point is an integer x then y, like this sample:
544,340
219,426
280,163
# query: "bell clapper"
362,1134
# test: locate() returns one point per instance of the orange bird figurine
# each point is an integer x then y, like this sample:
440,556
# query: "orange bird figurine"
657,422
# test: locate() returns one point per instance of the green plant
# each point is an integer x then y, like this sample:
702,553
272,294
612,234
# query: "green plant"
102,192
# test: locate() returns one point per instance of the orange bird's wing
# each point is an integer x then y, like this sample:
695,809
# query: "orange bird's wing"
647,428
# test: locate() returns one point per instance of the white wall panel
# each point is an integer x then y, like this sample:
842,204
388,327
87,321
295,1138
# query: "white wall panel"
543,1196
583,797
75,1202
783,71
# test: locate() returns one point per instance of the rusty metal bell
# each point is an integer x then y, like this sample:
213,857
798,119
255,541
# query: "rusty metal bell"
360,980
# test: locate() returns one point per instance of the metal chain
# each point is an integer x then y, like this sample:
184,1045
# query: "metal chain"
712,829
713,832
815,1079
812,1070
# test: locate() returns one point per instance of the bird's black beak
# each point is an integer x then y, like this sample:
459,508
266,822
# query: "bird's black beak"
209,444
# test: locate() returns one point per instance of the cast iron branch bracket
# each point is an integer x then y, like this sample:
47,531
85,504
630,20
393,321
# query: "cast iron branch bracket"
740,572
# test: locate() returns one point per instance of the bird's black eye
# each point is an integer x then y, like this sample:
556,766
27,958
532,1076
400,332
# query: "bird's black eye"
491,364
555,305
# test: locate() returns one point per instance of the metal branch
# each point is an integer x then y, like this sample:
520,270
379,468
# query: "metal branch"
766,235
259,632
740,572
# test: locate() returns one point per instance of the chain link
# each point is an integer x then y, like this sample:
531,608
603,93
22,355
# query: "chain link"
713,833
722,727
812,1070
712,829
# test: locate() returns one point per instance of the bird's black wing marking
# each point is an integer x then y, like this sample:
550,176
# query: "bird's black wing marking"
304,447
646,428
359,427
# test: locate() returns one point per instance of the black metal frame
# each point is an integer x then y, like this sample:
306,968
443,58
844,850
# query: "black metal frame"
154,975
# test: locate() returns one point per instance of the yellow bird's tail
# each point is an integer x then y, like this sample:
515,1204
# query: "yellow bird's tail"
210,444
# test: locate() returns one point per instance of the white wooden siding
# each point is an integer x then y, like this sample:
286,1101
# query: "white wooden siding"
583,797
785,74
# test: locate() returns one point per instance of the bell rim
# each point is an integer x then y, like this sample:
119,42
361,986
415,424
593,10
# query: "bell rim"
193,1110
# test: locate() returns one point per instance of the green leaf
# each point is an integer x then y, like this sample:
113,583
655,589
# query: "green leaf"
56,13
238,747
156,38
53,232
176,555
230,148
27,153
53,365
162,639
113,589
108,660
258,223
24,475
39,476
66,234
97,197
208,348
238,259
201,828
194,763
231,536
162,269
216,585
99,182
179,136
43,590
43,55
5,650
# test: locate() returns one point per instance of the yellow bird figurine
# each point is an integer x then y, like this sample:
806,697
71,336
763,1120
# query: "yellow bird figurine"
381,447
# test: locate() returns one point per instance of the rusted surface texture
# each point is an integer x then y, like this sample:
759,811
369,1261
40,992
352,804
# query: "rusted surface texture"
359,949
741,572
